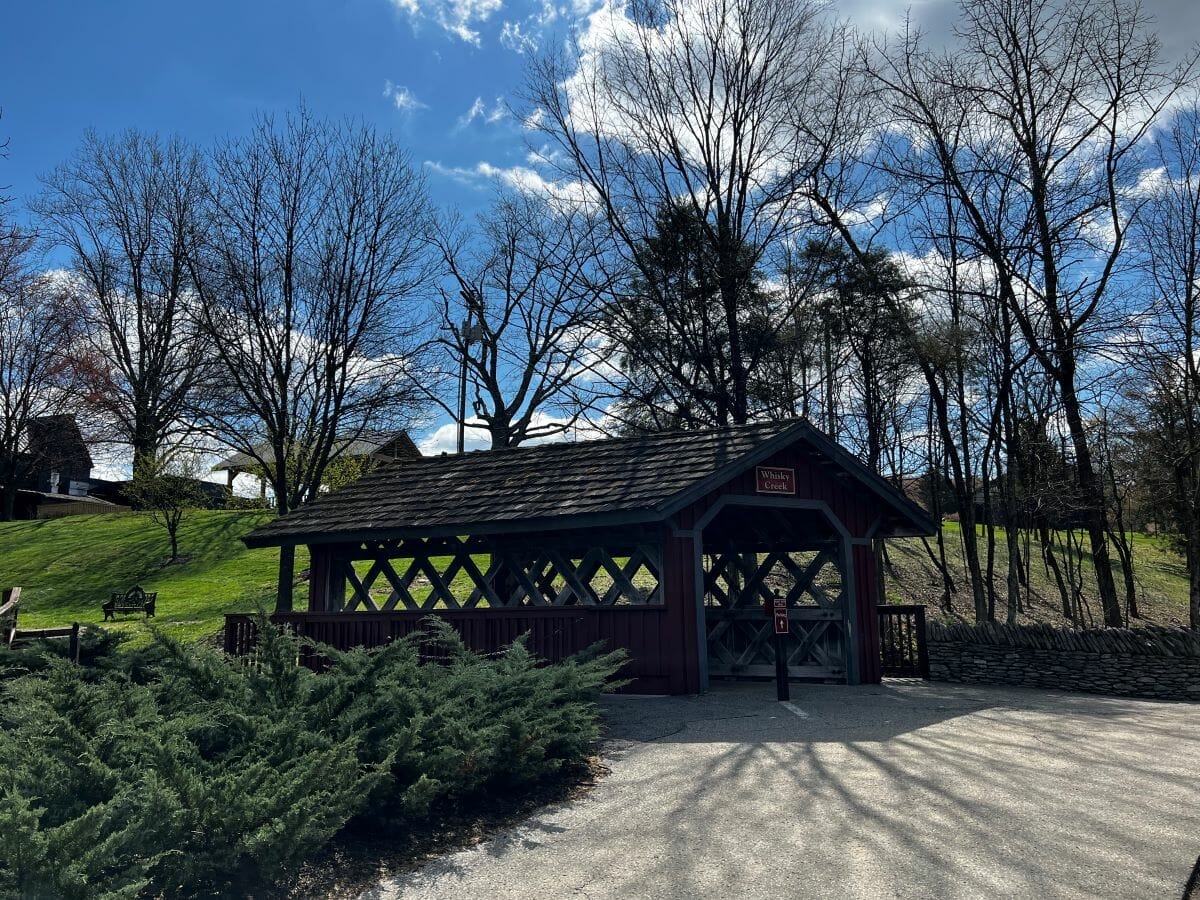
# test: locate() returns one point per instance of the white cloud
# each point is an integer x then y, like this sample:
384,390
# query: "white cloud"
460,18
527,35
402,98
534,120
1150,183
479,112
444,438
475,112
560,194
515,37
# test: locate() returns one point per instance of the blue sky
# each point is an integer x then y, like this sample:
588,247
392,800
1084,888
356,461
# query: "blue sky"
436,73
204,69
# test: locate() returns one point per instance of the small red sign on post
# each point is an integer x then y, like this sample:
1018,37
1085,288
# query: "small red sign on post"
775,480
781,616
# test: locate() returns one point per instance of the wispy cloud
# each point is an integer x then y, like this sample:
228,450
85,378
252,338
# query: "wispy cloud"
479,112
402,98
522,178
563,195
460,18
517,37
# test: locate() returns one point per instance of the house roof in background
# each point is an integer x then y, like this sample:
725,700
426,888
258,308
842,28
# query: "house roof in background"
565,485
53,440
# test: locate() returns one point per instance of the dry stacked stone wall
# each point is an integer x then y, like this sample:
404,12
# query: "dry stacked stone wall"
1155,662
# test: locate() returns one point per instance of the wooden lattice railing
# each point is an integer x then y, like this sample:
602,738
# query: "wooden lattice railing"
459,574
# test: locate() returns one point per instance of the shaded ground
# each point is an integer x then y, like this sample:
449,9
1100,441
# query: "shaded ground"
906,790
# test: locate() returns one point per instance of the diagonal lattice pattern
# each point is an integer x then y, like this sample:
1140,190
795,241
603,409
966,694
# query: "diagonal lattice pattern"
739,585
450,574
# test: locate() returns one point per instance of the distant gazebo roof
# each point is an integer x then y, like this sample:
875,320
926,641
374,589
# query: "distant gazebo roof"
390,445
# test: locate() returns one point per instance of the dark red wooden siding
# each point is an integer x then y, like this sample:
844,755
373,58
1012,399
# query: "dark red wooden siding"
646,633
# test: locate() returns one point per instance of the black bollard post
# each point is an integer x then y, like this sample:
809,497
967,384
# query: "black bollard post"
781,670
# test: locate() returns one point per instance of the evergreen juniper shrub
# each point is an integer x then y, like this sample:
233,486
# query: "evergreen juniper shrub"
175,771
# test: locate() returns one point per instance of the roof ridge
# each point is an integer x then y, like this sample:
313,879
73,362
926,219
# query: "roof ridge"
628,438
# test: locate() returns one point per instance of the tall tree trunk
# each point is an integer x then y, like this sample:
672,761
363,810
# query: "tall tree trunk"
740,407
1192,553
959,462
1012,541
145,452
1093,497
1051,562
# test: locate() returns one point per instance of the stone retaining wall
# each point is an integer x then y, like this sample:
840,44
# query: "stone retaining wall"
1159,663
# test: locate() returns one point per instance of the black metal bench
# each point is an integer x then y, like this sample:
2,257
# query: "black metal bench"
133,600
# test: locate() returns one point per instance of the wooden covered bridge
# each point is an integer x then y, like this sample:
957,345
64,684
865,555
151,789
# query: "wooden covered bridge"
667,545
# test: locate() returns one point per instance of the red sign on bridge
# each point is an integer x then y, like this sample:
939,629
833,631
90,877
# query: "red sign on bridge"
775,480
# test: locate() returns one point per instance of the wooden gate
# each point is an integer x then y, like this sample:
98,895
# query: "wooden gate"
737,588
902,645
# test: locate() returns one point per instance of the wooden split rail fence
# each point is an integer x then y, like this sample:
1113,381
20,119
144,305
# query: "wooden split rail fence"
11,635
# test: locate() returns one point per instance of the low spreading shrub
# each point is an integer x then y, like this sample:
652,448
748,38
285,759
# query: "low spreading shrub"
175,771
97,647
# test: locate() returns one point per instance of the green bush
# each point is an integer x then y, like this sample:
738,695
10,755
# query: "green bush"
181,773
97,647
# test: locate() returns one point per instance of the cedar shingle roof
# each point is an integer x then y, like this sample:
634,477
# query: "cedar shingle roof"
592,483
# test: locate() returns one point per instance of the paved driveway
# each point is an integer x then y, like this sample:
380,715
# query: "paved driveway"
905,790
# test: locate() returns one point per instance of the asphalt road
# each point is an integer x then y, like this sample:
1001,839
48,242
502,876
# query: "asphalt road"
905,790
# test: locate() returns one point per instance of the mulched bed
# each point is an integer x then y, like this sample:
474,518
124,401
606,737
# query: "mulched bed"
357,862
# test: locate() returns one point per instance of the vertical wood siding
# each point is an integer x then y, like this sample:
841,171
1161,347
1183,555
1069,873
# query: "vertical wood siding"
645,633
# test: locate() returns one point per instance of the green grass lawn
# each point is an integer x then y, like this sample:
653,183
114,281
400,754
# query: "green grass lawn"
1159,573
68,567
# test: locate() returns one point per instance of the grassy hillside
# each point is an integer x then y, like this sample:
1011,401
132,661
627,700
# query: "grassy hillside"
1159,573
67,568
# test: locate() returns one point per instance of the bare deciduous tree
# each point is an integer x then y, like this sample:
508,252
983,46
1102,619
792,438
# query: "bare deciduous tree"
1034,124
528,281
125,208
312,250
166,489
1166,388
694,104
38,331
